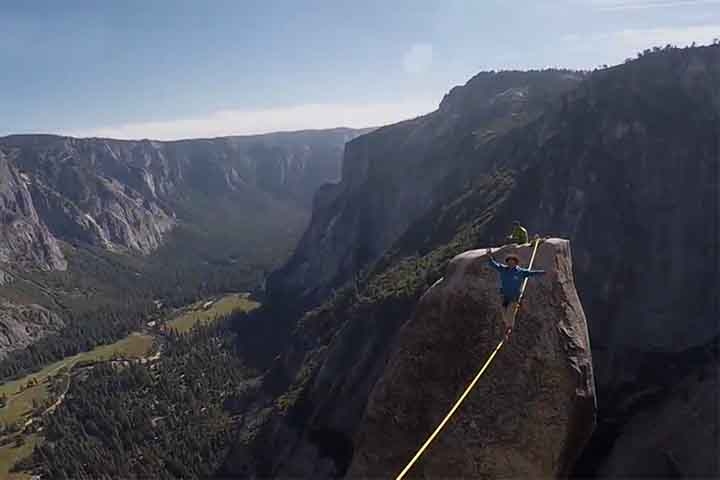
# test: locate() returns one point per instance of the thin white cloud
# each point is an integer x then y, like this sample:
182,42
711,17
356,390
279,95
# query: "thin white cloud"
637,38
627,42
622,5
247,122
418,58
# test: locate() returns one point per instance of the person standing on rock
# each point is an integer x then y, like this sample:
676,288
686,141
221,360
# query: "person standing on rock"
519,234
511,279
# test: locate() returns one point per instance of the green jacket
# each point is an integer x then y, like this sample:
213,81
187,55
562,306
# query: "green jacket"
519,235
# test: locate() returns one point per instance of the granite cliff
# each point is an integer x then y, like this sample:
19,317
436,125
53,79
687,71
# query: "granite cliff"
623,162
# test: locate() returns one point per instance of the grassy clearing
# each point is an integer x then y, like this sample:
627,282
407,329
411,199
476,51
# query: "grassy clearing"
20,399
20,405
10,455
196,313
135,345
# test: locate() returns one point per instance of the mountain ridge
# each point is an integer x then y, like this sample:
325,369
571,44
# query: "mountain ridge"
351,130
142,169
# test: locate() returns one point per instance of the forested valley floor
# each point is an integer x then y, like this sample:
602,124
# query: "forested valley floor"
158,403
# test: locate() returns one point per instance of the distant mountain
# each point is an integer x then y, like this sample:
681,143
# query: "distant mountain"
117,194
145,207
624,162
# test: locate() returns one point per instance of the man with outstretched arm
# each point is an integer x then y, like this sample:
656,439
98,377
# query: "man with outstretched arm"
511,279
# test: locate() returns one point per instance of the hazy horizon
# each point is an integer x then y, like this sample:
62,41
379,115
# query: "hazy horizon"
172,70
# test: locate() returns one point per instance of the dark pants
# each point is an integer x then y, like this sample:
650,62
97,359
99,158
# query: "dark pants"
509,307
508,300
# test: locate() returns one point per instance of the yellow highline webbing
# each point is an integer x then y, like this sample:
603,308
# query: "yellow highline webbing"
471,385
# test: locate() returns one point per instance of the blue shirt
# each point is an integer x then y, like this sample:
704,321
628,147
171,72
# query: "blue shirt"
511,278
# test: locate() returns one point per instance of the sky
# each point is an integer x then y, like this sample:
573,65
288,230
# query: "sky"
168,69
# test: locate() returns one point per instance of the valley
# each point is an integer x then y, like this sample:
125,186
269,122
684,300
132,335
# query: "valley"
308,304
135,243
122,225
28,400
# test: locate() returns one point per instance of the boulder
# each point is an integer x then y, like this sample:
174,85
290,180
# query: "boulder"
532,412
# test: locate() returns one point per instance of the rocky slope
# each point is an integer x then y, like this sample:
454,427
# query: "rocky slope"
365,381
24,238
533,410
21,325
626,165
119,194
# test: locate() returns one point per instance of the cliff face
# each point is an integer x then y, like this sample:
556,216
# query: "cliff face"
626,166
392,176
84,192
532,412
23,236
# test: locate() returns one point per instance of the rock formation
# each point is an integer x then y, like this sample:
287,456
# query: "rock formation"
351,392
533,410
24,239
20,325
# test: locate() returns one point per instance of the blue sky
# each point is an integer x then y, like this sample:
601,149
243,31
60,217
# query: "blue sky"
175,68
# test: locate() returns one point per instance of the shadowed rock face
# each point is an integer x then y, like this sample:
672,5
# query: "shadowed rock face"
676,437
533,410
